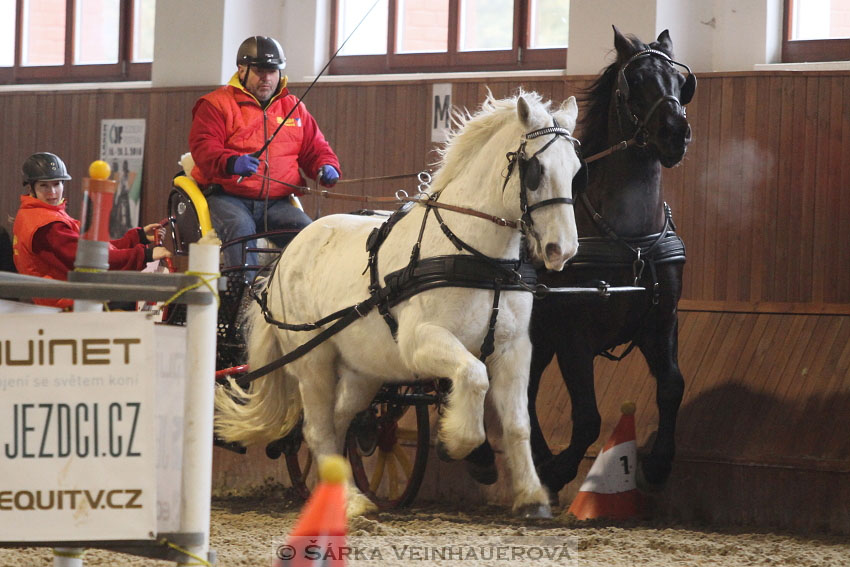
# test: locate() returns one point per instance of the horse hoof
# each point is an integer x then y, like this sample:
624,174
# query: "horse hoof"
535,511
483,474
443,452
644,484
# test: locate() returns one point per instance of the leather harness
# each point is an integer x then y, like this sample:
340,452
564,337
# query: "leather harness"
473,270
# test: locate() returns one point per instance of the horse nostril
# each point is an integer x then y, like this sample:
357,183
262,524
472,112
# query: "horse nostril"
688,133
553,250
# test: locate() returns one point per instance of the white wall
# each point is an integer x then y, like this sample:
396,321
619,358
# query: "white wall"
196,40
244,18
591,43
691,30
187,43
306,37
708,35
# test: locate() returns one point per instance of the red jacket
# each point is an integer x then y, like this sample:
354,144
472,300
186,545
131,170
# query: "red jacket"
45,244
230,122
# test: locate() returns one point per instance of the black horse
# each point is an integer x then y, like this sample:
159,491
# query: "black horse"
635,119
636,108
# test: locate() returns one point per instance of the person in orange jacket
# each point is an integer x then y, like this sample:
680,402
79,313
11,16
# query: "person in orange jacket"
233,122
46,236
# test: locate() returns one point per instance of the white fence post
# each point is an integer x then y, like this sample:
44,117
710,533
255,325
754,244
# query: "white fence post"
202,321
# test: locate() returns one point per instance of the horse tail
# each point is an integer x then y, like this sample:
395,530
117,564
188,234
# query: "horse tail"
271,406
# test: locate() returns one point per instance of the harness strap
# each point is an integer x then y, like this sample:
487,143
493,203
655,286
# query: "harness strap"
461,270
351,314
617,358
605,227
615,148
433,203
373,245
661,248
489,344
461,245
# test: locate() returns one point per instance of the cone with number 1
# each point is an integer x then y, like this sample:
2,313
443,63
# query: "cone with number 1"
319,536
609,491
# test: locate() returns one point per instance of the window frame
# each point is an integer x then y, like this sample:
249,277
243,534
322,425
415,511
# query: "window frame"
518,58
124,70
810,50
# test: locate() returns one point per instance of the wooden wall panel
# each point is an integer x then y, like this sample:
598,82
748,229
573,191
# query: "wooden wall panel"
772,389
762,197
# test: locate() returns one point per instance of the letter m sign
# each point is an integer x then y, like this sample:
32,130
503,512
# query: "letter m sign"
441,111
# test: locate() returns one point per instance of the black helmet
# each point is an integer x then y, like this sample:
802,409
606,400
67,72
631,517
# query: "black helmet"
44,166
261,51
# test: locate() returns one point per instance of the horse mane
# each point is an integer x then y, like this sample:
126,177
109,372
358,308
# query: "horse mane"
470,132
596,99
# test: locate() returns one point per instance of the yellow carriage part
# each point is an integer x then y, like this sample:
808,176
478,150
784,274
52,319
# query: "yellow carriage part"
190,212
191,189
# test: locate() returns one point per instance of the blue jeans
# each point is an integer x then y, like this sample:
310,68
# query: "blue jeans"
234,217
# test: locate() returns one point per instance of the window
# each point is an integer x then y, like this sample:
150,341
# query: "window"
400,36
816,30
61,41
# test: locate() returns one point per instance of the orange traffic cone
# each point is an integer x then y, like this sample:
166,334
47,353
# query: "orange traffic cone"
318,537
609,490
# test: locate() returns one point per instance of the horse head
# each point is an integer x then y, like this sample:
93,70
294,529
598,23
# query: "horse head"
651,94
547,162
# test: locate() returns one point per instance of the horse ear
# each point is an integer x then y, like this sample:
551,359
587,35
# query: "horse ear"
523,111
622,44
665,43
569,113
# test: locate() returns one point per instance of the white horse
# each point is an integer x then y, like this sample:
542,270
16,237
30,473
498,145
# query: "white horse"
440,331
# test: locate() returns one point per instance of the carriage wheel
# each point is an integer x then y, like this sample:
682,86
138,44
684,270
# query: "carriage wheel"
300,463
388,461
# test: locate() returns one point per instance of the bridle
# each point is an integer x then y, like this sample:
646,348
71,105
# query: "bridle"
641,135
530,172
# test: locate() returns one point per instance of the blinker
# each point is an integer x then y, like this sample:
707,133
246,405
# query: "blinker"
580,180
530,172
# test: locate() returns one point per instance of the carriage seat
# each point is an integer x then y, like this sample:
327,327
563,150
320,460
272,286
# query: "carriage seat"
189,212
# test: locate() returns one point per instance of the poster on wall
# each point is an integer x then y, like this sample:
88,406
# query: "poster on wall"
122,146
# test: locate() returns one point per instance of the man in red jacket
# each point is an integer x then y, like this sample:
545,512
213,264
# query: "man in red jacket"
235,120
46,237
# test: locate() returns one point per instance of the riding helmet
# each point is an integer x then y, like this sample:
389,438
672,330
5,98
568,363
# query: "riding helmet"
44,166
261,51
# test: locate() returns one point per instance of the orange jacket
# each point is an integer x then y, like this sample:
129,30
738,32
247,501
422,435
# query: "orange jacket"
230,122
45,244
33,215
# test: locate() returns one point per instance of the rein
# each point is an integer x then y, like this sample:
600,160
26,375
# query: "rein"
401,196
625,144
503,274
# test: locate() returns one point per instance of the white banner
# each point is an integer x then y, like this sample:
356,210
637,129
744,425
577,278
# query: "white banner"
77,453
170,393
122,146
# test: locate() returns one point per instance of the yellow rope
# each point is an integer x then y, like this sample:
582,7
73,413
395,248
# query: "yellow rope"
68,554
174,546
207,281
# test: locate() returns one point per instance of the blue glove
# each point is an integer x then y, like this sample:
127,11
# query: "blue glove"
328,175
245,165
